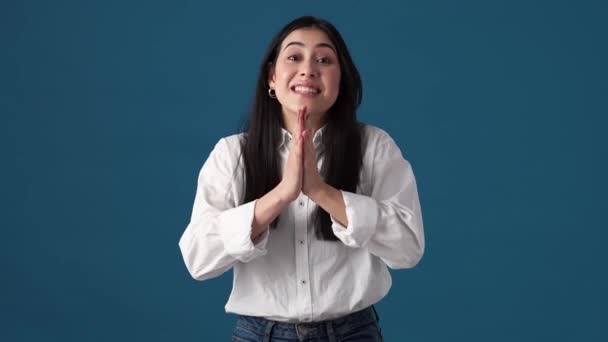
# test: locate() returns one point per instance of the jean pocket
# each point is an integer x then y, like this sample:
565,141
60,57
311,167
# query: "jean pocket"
241,334
365,333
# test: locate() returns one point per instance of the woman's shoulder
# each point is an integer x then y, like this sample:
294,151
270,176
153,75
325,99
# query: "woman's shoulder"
228,148
374,135
231,142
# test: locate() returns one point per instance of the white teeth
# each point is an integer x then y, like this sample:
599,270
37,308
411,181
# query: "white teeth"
302,89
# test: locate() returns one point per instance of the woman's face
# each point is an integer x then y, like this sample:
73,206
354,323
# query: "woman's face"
306,73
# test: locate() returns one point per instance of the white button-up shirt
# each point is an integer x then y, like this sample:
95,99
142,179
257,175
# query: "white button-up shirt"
287,274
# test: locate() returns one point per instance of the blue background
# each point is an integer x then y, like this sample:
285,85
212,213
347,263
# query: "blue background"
109,108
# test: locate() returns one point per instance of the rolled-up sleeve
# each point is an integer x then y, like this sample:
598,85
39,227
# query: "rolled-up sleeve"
361,212
219,232
389,221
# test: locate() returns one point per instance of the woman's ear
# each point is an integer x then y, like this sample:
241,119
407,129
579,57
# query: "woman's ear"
271,76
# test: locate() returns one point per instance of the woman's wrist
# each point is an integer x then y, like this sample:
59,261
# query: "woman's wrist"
283,195
320,192
267,208
331,200
282,198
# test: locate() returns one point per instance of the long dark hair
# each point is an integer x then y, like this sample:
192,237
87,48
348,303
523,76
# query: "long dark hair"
341,137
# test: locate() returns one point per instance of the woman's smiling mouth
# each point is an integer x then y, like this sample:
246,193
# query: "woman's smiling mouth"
305,90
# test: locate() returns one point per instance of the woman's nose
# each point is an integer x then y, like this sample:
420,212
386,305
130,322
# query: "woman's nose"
308,69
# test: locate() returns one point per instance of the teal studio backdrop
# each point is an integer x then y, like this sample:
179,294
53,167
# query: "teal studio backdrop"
109,108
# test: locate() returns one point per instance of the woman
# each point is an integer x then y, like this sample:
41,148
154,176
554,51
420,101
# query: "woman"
308,206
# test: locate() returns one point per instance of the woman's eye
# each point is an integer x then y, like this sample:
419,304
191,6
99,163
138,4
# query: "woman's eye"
292,58
323,60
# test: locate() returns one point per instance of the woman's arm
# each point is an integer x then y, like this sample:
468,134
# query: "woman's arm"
331,200
267,208
220,230
388,222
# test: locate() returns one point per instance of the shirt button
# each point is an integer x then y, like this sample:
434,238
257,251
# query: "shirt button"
301,242
301,203
303,282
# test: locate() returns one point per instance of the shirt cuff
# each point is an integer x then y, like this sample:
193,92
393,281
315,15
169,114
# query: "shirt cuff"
362,216
235,233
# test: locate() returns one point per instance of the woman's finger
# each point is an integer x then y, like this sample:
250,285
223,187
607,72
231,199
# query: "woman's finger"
298,125
306,122
302,147
302,119
308,145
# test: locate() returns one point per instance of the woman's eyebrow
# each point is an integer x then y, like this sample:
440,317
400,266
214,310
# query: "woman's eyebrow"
327,45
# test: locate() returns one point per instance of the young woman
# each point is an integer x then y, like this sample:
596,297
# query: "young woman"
307,206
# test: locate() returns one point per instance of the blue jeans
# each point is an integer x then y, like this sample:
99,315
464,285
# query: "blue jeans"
360,326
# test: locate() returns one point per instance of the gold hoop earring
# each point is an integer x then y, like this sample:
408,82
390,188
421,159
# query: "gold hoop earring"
272,93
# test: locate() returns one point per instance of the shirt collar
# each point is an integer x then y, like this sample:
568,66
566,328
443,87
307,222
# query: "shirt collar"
285,137
316,140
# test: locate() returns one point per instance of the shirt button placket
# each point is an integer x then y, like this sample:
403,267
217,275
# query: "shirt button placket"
302,266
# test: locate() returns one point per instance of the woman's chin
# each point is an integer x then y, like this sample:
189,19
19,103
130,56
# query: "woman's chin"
311,108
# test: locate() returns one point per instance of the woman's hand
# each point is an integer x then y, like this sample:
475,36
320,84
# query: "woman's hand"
291,184
312,183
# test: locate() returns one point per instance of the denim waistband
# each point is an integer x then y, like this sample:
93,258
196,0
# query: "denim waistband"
341,325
